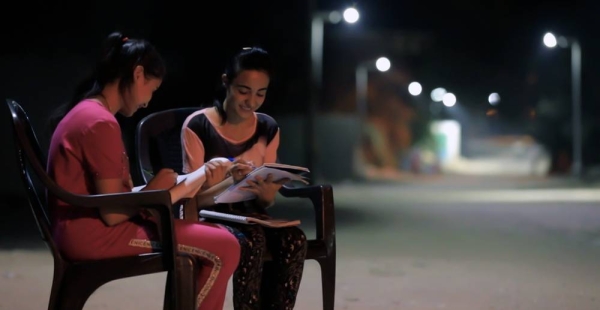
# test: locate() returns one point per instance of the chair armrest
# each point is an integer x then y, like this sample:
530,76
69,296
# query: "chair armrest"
301,191
159,200
321,197
156,201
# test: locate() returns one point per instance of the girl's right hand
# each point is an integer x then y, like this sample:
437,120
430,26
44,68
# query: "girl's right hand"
216,171
239,169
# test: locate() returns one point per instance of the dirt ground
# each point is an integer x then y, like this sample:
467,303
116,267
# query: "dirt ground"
409,247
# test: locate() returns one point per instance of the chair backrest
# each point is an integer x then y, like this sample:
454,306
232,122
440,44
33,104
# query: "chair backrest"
31,158
158,143
32,163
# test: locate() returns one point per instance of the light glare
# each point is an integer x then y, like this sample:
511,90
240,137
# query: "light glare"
449,100
383,64
550,40
335,17
562,42
438,94
494,98
351,15
415,88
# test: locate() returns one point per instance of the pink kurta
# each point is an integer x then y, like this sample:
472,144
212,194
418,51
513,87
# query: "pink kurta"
87,146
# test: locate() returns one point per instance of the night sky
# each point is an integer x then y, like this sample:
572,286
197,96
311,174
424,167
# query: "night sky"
474,47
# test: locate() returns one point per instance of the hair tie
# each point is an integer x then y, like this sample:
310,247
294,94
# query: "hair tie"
125,39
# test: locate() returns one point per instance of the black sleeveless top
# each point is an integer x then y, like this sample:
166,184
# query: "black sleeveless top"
216,146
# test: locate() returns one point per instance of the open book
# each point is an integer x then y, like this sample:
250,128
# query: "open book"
234,193
273,223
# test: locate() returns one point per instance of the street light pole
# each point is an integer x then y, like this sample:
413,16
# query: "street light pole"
576,93
316,68
551,41
316,49
318,20
361,74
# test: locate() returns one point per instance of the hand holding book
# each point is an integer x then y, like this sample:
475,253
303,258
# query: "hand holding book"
217,169
250,187
239,169
265,189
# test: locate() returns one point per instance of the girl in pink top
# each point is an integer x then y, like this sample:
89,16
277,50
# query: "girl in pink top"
234,129
87,156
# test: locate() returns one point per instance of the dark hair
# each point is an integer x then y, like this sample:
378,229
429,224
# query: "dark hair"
119,56
249,58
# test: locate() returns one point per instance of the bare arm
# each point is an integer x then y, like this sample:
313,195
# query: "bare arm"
104,156
115,214
193,150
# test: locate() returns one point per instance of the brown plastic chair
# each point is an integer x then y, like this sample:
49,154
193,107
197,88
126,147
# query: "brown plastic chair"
75,281
158,145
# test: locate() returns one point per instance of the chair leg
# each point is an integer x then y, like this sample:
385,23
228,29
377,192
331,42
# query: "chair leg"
53,304
188,268
328,281
184,296
74,291
168,300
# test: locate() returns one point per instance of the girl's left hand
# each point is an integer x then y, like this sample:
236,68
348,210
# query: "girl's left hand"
264,189
239,169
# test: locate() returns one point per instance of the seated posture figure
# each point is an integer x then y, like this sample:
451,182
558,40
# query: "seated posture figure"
87,156
233,128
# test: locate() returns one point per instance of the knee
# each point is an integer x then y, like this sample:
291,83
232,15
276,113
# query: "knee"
253,241
301,241
295,236
229,252
292,242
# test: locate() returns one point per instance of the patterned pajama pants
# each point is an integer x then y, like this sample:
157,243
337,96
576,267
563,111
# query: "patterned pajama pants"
260,284
274,284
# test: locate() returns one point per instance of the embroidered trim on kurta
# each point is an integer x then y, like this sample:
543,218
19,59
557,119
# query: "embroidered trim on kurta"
216,261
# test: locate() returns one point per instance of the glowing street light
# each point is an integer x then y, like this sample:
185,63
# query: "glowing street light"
383,64
415,88
449,99
551,41
438,94
494,98
351,15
